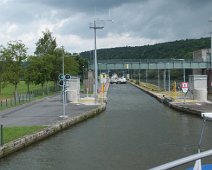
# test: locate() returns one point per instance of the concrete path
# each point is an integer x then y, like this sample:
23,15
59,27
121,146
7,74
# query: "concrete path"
193,107
43,112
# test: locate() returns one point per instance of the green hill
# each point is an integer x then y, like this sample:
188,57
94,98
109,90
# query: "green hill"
175,49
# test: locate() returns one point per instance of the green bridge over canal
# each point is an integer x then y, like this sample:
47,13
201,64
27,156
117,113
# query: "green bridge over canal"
152,64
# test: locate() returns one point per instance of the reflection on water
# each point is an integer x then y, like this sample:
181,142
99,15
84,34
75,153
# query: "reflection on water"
135,132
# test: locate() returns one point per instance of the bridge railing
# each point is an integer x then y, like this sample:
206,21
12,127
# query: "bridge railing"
114,61
148,64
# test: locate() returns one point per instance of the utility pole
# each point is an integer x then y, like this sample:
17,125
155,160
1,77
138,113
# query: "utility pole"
95,27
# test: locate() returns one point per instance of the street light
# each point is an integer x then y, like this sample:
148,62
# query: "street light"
95,27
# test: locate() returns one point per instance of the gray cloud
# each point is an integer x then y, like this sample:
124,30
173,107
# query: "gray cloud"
134,20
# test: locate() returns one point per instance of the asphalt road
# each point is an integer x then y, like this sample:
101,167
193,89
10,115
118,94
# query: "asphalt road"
43,112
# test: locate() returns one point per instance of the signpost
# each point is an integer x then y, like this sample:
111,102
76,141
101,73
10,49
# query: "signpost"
184,86
63,82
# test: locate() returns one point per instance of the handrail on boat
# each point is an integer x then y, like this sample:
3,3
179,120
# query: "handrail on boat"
199,155
183,160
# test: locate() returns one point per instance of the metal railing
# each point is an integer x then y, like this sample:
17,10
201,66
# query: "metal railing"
149,64
183,161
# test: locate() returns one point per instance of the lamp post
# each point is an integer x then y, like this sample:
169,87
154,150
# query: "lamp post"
95,27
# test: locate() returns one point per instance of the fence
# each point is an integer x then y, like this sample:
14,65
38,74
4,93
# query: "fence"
23,98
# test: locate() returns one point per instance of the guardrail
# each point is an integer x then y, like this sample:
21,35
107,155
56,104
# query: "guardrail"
183,161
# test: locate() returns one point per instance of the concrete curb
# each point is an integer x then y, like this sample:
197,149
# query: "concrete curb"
185,109
27,140
169,102
160,98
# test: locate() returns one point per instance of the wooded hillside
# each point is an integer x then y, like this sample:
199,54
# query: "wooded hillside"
175,49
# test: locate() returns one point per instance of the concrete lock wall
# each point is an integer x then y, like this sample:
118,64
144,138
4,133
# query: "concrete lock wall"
198,86
73,90
17,144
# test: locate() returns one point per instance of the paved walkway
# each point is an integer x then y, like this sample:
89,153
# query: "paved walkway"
193,107
190,107
43,112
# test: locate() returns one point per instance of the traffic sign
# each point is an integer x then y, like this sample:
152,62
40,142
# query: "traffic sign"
61,77
184,86
67,76
61,82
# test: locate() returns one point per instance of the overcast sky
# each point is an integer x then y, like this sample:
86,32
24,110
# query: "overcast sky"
136,22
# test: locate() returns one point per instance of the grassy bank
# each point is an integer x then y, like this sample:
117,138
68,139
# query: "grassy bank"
8,90
12,133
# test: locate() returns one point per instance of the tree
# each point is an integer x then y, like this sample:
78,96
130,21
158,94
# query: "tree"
71,65
39,69
46,44
57,64
1,74
82,65
13,56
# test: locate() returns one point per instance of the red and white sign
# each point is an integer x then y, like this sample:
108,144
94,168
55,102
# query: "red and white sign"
184,86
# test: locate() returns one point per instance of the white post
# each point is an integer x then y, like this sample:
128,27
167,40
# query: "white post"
164,79
158,77
169,79
139,75
95,64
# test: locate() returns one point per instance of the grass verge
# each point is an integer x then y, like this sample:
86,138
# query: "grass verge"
12,133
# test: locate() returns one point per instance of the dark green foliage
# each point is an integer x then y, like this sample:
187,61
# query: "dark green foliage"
176,49
46,44
12,58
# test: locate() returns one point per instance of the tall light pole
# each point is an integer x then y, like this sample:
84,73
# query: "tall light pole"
95,27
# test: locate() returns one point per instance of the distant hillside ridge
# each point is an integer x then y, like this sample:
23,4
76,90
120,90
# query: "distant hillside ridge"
176,49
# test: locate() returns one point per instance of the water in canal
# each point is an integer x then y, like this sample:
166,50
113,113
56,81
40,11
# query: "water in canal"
136,132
